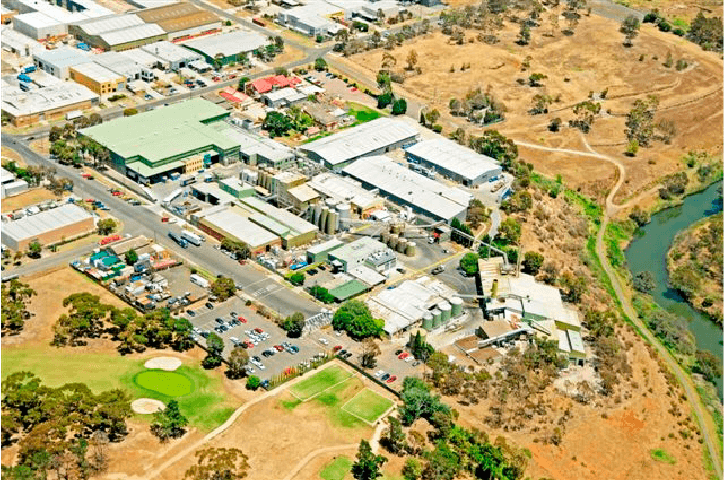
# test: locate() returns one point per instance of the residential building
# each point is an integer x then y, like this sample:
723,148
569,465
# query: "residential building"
323,117
267,84
45,103
226,48
371,138
181,20
454,161
48,227
56,62
407,188
155,143
363,251
282,98
97,78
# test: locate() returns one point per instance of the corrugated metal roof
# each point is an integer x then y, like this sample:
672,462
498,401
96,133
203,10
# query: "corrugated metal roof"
241,228
429,195
344,190
325,246
227,44
46,221
360,140
297,224
455,158
97,72
132,34
101,25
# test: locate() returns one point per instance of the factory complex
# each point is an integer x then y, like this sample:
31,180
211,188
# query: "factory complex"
47,227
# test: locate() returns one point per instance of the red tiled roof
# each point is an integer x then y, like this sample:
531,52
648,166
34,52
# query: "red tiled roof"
264,85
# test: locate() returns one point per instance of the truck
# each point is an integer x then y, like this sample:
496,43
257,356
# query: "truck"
83,46
191,237
29,69
199,281
497,187
26,87
181,242
188,180
24,78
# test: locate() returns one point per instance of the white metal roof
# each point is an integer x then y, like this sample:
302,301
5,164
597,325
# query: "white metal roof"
101,25
325,246
297,224
45,98
19,41
46,221
303,193
361,140
141,57
132,34
455,158
241,228
227,44
415,189
63,57
118,62
359,250
96,72
286,93
5,176
344,190
170,52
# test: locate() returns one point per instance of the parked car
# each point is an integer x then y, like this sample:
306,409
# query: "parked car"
242,319
399,351
279,348
219,320
259,330
348,355
403,355
437,270
322,268
416,363
312,272
336,348
385,377
191,313
391,379
323,341
233,314
209,305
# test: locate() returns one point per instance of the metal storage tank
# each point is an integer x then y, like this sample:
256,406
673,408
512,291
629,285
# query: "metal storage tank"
410,250
330,202
384,237
310,215
323,219
436,318
345,211
317,213
394,239
457,306
253,178
427,321
401,245
393,228
401,228
445,309
331,227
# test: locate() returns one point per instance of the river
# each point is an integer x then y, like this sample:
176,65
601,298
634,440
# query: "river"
647,252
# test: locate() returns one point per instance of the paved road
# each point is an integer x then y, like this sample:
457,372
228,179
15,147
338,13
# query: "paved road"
253,279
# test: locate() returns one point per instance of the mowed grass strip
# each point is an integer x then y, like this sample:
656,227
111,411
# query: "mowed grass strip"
368,405
339,468
319,382
173,384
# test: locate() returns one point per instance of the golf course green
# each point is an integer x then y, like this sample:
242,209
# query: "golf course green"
172,384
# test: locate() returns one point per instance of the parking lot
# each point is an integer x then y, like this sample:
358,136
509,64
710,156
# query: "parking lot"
205,319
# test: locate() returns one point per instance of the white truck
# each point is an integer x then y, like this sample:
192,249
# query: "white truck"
199,281
191,237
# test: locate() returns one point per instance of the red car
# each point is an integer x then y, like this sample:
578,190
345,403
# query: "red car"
242,319
117,193
391,379
248,344
89,200
336,348
403,355
279,348
259,330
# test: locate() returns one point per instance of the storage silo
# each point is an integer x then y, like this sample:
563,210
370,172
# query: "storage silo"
445,309
323,220
317,213
384,237
394,239
393,228
427,321
332,218
457,306
253,178
345,215
436,318
410,250
310,215
330,202
401,245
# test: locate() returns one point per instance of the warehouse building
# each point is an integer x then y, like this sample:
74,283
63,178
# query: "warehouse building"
454,161
56,62
18,43
363,251
257,150
371,138
232,223
226,48
156,143
10,185
181,20
122,65
48,227
237,188
302,196
320,252
45,103
421,302
171,57
117,32
43,20
97,78
407,188
312,19
212,194
343,190
294,231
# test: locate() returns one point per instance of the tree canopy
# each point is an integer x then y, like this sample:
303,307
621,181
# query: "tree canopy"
355,318
169,422
367,464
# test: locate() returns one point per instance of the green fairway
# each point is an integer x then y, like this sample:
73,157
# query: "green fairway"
362,113
339,468
368,405
204,402
172,384
319,382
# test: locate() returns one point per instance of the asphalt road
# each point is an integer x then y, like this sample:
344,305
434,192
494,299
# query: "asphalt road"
253,279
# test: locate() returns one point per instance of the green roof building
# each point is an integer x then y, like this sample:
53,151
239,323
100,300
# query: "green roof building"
170,139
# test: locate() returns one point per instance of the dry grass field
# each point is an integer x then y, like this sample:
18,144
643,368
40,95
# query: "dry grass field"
593,59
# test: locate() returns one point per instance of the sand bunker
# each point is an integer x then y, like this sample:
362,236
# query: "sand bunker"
165,363
147,406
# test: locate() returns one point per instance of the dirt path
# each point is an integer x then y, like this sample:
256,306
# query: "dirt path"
330,449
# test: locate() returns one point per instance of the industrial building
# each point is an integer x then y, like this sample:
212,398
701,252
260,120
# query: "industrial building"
56,62
363,251
97,78
237,188
302,196
422,302
18,43
181,20
312,19
346,190
407,188
280,183
159,142
257,150
43,20
117,32
294,231
453,161
10,185
212,194
226,48
233,223
48,227
171,57
320,252
282,98
122,65
371,138
45,103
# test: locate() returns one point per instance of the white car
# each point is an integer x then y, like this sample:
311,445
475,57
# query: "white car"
409,359
261,366
431,240
250,369
323,341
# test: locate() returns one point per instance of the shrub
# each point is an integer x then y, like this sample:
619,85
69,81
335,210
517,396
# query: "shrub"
437,128
252,383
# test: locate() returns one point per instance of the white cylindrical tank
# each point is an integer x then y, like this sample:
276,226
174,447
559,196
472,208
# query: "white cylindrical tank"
330,202
445,309
345,211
